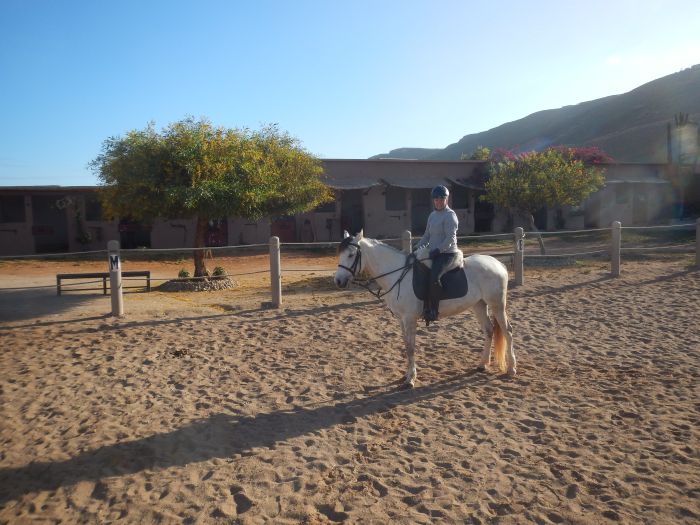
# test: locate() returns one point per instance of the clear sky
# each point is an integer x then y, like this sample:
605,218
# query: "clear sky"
349,79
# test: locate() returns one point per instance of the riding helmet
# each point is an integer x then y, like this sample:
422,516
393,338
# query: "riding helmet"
440,192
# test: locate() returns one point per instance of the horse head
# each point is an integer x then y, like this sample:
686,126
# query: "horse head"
349,259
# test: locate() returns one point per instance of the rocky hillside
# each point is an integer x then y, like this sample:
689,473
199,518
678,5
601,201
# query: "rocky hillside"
631,127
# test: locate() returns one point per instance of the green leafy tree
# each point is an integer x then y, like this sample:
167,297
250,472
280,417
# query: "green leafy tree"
558,176
480,153
194,169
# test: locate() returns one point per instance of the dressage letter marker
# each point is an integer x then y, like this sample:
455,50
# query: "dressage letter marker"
115,278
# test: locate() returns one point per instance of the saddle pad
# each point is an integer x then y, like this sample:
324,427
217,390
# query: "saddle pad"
454,282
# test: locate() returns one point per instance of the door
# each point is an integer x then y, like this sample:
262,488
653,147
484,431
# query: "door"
133,234
421,206
50,223
217,232
483,214
352,216
285,228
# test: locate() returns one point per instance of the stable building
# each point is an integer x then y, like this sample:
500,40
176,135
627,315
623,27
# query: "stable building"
383,197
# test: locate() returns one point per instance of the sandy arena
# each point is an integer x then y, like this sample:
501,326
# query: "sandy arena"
207,408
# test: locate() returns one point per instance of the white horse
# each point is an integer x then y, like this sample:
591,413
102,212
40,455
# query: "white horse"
488,285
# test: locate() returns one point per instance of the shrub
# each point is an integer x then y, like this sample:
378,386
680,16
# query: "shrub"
219,271
183,274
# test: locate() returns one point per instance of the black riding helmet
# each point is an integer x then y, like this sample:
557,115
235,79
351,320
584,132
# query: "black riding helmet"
440,192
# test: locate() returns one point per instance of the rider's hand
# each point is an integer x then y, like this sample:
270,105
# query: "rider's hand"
434,253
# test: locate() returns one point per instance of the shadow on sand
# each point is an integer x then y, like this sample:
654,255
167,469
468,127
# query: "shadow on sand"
21,304
242,314
219,436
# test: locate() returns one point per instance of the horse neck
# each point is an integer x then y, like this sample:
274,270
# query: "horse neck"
380,259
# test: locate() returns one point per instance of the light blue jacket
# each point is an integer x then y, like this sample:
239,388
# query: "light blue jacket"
441,231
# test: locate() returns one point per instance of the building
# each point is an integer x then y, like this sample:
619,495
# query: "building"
385,197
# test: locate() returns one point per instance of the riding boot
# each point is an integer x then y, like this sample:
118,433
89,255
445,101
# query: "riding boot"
426,308
435,292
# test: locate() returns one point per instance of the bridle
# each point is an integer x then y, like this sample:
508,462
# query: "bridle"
357,266
356,263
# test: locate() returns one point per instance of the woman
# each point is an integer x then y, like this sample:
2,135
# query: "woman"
441,237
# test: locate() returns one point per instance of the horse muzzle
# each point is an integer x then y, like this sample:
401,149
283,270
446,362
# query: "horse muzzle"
341,282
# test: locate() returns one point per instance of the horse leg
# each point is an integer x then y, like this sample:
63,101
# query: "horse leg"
482,315
505,332
409,337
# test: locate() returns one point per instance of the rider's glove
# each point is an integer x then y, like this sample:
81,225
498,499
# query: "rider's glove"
434,253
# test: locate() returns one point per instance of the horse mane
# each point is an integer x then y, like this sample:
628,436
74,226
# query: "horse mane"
373,242
377,242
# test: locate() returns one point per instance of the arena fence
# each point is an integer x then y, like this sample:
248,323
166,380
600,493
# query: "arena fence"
517,250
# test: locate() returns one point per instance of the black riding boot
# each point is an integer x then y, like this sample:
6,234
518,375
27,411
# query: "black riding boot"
435,292
426,309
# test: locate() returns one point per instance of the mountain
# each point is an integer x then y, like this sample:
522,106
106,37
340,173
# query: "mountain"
630,127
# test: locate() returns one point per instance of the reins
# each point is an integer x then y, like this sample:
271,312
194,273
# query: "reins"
366,283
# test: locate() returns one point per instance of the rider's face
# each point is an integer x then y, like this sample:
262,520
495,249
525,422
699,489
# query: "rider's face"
439,203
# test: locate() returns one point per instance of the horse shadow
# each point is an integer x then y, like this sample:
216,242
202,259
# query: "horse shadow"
219,436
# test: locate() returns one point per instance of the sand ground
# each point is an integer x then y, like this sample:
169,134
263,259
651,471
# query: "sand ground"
209,408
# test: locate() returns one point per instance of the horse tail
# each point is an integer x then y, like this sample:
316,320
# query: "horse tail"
499,346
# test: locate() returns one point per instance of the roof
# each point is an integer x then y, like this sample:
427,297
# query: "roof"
629,173
348,174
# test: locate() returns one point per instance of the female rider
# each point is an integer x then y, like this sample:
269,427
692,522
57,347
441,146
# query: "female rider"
441,237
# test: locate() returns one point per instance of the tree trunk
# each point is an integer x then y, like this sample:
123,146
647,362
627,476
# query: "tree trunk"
526,221
200,237
533,228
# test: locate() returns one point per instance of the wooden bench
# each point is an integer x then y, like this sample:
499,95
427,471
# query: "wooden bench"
104,276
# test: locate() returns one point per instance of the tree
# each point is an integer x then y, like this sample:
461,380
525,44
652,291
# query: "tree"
480,153
558,176
194,169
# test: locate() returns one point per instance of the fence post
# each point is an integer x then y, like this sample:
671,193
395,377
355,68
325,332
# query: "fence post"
275,272
406,242
115,278
519,255
615,249
697,243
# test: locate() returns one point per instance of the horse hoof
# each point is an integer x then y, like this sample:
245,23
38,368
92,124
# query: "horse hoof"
481,368
407,385
511,373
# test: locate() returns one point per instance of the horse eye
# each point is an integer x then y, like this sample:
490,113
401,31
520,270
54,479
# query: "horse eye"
352,255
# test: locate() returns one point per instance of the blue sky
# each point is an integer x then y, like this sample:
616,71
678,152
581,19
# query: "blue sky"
349,79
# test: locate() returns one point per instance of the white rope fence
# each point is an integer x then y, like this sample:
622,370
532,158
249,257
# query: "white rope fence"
517,254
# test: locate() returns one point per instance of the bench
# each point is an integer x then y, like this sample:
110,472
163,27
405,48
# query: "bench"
104,276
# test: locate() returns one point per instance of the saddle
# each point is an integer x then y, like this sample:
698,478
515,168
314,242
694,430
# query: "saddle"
454,283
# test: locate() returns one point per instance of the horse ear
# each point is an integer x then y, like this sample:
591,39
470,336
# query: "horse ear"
345,234
360,235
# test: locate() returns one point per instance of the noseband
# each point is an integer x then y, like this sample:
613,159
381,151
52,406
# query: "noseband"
356,263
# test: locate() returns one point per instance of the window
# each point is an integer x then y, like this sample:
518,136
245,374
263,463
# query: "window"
12,208
395,199
93,208
460,197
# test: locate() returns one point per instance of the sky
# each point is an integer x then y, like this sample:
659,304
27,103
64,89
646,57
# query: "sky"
349,79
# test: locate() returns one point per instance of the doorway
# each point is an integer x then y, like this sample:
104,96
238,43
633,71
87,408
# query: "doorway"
421,206
134,234
351,211
50,223
483,214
